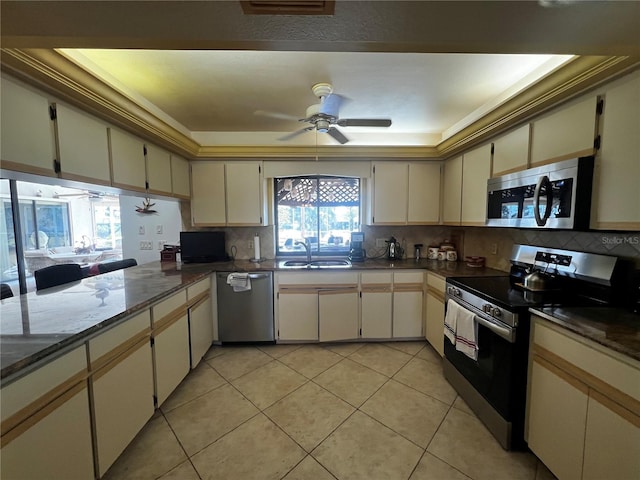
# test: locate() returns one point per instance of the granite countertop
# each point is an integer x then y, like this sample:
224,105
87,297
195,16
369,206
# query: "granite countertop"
39,324
615,328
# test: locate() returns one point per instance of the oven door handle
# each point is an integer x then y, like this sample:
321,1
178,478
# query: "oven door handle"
508,334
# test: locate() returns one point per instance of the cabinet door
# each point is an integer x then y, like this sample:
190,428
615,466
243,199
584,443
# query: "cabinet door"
476,168
244,192
616,194
172,357
390,186
434,325
57,444
123,402
407,314
376,311
158,170
565,133
26,138
557,411
180,177
424,193
83,146
298,315
511,151
338,314
612,443
452,194
200,329
127,161
208,206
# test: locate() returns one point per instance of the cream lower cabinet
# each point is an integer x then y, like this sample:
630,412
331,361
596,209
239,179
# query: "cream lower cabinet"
376,304
583,406
408,306
434,312
46,426
170,331
338,314
297,314
200,320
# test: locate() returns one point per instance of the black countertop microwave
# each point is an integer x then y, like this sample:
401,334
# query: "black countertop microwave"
557,195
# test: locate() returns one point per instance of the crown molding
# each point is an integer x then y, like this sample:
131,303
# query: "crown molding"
56,74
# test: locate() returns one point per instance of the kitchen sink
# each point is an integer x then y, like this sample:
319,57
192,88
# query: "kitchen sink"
340,263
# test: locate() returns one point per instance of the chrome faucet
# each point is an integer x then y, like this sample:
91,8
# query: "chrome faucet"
307,246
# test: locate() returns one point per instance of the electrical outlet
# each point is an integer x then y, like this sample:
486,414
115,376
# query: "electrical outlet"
494,248
250,244
381,242
161,244
141,230
142,245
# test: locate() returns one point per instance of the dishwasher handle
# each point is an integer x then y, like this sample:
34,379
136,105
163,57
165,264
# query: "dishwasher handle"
252,276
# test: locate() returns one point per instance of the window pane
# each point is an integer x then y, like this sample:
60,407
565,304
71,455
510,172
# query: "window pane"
8,259
53,224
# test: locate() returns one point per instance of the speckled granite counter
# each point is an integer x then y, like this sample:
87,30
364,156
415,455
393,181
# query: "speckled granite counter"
615,328
39,324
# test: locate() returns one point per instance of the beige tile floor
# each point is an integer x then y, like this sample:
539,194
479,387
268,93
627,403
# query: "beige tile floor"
343,411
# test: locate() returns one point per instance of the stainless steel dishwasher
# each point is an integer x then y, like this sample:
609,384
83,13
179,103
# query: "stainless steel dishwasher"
246,316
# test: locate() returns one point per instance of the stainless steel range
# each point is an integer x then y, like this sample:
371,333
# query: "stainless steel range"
494,383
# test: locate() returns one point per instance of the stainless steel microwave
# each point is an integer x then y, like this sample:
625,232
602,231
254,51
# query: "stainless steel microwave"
557,195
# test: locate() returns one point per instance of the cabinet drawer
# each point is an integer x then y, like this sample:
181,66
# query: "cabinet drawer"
201,287
318,278
376,278
171,304
408,277
622,374
436,282
118,339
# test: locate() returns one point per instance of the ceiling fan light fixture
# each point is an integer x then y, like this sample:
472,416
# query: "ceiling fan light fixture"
323,125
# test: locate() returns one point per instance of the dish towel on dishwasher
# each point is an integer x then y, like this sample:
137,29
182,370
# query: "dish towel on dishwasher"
239,281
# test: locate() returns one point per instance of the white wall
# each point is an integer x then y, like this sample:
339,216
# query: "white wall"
139,227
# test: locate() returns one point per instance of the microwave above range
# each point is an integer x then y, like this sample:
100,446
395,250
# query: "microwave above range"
557,195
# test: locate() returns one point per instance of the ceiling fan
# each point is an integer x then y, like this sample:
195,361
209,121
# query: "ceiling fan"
324,115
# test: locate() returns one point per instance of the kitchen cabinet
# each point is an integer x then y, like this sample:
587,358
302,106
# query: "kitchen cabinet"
408,294
46,422
227,194
376,304
200,320
583,406
170,332
511,151
83,146
128,169
180,183
567,132
122,384
158,170
338,314
452,191
616,199
27,142
208,204
405,193
476,169
297,314
435,311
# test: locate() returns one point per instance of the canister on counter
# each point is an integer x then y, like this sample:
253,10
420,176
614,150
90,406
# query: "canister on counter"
432,252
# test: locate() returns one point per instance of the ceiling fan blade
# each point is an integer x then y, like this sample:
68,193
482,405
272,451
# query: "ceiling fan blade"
364,122
337,135
296,133
331,104
280,116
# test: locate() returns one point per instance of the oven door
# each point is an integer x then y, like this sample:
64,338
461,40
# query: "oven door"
500,371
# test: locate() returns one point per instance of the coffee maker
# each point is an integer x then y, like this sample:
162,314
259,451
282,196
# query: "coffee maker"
357,253
394,250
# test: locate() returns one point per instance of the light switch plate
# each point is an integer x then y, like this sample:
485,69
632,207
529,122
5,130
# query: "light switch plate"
141,230
159,229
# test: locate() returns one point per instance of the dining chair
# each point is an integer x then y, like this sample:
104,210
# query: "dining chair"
57,275
5,291
117,265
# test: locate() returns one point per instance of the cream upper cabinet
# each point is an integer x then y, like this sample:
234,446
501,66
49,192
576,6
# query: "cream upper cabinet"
511,151
244,193
616,199
567,132
424,193
390,193
476,169
208,204
127,161
25,111
180,185
83,146
452,191
158,170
